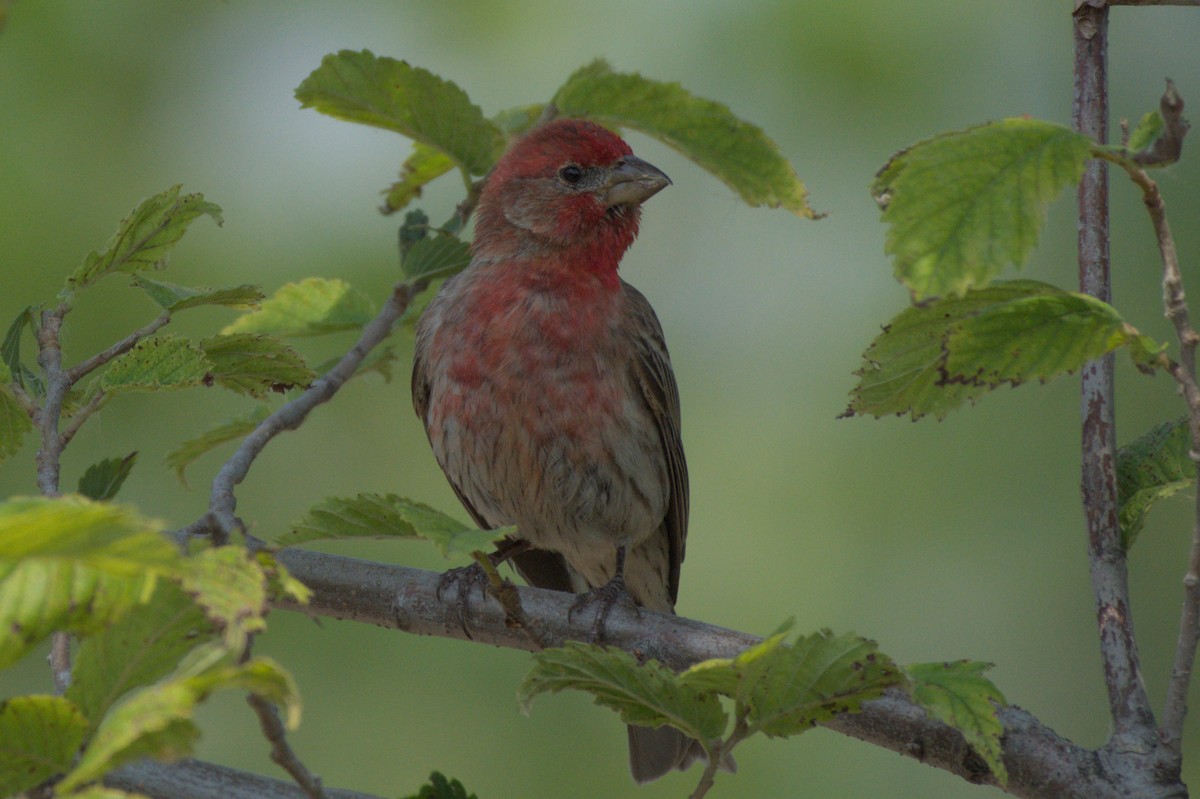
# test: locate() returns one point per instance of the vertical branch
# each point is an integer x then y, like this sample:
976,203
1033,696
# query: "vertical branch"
1129,705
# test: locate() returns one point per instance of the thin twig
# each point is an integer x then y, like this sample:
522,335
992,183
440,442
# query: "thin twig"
60,661
282,752
81,370
27,403
80,416
1184,371
222,501
1133,721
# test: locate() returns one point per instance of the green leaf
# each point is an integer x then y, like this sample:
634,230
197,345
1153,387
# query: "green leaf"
962,206
423,166
231,586
1147,130
439,787
1036,337
1152,467
156,720
737,152
513,121
10,353
145,238
173,298
280,582
255,364
39,736
959,695
312,307
103,480
387,516
156,363
390,94
235,429
14,423
436,257
71,564
786,689
649,694
145,645
933,356
902,370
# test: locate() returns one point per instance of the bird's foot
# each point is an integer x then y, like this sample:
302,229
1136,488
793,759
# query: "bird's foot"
462,580
604,598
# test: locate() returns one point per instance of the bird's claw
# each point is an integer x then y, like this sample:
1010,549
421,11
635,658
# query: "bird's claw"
604,598
463,579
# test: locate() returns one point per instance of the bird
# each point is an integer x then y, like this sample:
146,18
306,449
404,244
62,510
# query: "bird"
545,387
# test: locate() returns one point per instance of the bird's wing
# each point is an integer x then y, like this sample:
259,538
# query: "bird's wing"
653,376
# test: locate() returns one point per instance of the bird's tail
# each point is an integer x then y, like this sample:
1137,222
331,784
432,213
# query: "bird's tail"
653,751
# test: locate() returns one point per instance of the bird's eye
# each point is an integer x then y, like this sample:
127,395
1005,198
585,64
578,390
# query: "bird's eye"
571,174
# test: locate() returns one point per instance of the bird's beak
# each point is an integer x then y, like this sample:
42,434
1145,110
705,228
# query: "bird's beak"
633,181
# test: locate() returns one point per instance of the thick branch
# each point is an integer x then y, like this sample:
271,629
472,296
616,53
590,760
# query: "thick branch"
195,779
1040,763
1133,721
223,502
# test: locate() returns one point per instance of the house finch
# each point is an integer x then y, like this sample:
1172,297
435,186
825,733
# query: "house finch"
546,390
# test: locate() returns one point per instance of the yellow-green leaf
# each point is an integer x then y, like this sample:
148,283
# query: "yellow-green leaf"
312,307
255,364
959,695
176,298
187,453
39,736
156,363
1154,466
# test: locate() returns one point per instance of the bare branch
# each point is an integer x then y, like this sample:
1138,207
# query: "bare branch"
60,661
57,384
80,416
1040,762
1133,721
195,779
222,501
282,752
81,370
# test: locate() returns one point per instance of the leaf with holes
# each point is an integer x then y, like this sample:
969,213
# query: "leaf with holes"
1154,466
959,695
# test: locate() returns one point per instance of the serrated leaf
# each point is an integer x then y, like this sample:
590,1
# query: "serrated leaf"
424,165
145,238
312,307
387,516
959,695
513,121
103,480
145,645
1147,130
14,423
436,257
727,676
649,695
706,132
962,206
171,297
390,94
786,689
1152,467
156,720
39,736
1035,337
255,364
231,587
187,453
902,369
439,787
157,363
72,564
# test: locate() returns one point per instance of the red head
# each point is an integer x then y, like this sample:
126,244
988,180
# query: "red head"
569,189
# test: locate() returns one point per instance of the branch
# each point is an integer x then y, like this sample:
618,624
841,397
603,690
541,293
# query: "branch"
1133,721
81,370
223,502
1040,763
195,779
282,752
80,416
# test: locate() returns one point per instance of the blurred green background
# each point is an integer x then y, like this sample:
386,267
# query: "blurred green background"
941,540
